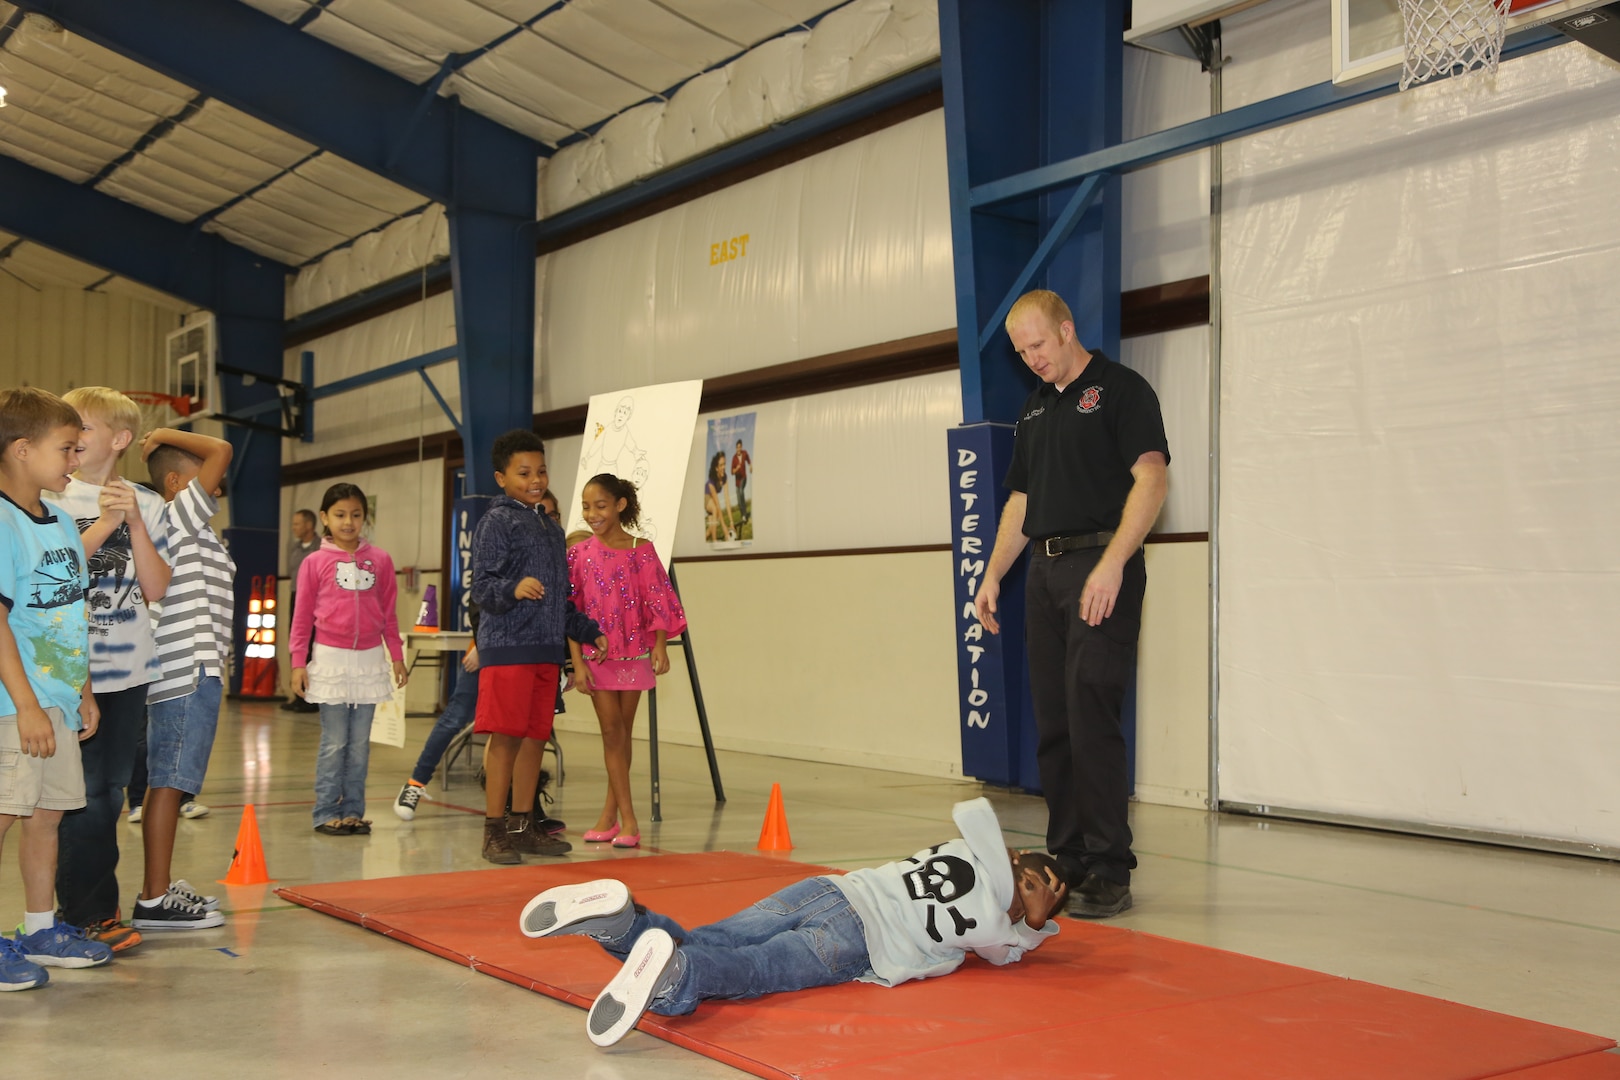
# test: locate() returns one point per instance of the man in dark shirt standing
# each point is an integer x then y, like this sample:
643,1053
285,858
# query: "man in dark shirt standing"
1088,477
304,540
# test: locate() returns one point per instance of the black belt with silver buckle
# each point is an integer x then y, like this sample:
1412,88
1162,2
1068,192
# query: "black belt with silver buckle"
1057,545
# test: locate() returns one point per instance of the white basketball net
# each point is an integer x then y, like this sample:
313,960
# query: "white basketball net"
1451,37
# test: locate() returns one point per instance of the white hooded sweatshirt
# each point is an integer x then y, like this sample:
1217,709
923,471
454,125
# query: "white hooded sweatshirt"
923,914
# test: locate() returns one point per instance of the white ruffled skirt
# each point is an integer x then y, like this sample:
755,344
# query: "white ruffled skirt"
349,676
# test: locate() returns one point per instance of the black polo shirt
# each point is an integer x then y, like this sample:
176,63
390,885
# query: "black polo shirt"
1073,452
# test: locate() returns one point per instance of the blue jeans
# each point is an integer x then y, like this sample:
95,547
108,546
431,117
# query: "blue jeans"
180,737
458,713
87,865
802,936
342,761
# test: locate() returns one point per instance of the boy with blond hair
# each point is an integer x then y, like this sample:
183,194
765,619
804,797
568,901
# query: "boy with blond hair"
120,525
46,704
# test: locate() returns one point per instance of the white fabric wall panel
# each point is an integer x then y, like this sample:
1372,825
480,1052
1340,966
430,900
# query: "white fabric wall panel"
857,468
844,249
59,338
857,45
1420,459
1176,364
407,244
388,411
1165,208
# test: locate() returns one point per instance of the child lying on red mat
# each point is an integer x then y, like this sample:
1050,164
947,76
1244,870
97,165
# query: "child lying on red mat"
911,919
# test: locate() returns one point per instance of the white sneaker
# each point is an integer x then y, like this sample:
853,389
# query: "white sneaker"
652,967
135,816
409,796
593,908
194,809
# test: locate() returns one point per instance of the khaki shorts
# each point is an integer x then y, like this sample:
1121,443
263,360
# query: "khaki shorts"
33,783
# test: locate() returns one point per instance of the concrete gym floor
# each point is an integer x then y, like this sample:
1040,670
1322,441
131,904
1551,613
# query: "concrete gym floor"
282,992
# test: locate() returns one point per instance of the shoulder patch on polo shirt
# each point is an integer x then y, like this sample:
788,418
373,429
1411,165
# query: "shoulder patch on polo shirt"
1090,399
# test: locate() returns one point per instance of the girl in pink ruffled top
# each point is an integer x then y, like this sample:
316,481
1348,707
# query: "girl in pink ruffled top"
619,582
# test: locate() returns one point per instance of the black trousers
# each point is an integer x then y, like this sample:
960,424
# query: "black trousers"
87,859
1077,678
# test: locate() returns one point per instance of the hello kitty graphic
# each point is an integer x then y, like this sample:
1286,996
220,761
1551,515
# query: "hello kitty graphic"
358,576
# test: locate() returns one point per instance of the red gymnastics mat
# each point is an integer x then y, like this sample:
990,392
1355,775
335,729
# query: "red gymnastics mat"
1096,1001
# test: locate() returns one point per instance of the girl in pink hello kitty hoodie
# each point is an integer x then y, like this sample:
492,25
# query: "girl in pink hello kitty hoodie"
355,660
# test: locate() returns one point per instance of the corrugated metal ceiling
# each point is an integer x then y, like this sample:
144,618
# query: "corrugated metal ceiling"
552,70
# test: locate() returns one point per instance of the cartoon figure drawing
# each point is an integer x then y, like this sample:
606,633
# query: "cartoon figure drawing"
645,526
614,449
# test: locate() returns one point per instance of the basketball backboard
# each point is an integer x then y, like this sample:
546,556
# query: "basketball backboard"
1368,34
192,358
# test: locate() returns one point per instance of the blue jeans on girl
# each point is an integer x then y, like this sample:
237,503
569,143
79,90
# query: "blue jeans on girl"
341,763
802,936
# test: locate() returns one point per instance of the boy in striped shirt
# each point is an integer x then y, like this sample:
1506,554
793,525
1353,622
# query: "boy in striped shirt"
193,645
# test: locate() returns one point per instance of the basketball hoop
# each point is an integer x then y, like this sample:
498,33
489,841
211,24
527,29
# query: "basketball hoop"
1451,37
159,410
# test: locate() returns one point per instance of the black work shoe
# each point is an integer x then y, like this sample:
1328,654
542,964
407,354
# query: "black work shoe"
1099,898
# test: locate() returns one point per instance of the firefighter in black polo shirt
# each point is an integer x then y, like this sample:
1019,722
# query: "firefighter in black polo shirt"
1087,480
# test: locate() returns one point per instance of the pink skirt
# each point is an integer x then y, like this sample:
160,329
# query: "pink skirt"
633,674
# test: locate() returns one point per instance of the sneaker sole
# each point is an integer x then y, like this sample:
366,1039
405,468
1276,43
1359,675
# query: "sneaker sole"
208,922
44,977
127,940
1080,910
574,909
46,960
622,1003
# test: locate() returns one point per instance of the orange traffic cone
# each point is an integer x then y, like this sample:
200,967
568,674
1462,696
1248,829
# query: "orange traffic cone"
247,865
774,835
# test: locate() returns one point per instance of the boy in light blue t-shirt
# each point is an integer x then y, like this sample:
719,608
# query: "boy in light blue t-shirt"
46,705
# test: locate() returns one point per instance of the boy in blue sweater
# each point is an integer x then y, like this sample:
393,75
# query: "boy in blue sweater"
520,584
912,919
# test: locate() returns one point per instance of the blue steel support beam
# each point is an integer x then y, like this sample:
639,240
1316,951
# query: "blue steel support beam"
1082,110
137,244
293,81
492,267
1199,134
992,129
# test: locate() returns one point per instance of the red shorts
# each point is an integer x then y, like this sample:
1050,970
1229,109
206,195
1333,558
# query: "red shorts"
517,699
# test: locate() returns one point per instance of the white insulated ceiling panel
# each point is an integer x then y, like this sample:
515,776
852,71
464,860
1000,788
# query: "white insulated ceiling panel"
346,178
428,28
373,49
237,129
40,266
175,193
644,24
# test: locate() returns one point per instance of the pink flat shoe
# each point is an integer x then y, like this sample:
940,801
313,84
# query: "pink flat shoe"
627,840
600,836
